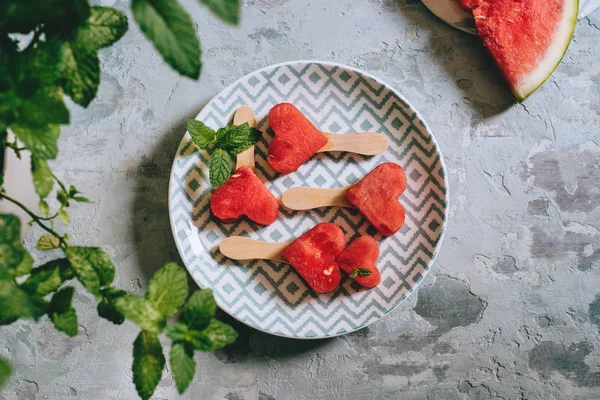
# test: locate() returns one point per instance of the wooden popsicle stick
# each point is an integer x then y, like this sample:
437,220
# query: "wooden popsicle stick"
246,157
365,143
242,248
307,198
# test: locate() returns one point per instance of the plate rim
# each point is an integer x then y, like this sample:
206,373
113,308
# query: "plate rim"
425,125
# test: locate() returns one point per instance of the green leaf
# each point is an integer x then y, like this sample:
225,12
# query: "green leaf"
182,364
107,309
62,197
179,332
81,199
14,259
14,303
41,141
63,316
5,371
166,24
219,168
61,300
44,208
168,289
148,363
65,322
201,134
43,281
104,27
220,334
227,10
360,272
47,242
42,176
80,72
64,217
199,310
140,311
45,107
92,267
239,138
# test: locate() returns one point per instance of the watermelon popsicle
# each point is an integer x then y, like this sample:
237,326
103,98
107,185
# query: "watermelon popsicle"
244,193
312,255
297,140
375,195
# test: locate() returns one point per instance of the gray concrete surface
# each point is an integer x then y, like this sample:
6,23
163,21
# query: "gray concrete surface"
511,310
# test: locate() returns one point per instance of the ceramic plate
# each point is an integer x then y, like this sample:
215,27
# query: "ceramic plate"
271,296
452,13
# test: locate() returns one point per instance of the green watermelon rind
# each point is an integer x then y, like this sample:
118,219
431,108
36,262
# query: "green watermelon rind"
568,38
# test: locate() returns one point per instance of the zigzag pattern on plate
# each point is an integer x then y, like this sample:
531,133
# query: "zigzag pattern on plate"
271,296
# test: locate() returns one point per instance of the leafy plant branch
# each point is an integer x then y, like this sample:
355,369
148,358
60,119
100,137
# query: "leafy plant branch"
61,58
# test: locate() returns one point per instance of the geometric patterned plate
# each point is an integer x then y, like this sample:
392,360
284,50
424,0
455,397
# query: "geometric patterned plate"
271,296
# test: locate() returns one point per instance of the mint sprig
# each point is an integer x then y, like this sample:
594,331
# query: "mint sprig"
362,272
223,145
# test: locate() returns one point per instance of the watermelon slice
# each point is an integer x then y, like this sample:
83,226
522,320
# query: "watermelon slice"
527,38
358,260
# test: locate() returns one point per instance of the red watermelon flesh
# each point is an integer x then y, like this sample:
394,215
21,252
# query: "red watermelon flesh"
313,256
244,194
526,38
296,138
376,196
361,253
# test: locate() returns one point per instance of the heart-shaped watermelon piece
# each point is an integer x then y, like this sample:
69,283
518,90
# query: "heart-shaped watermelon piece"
376,196
313,256
358,260
296,138
244,194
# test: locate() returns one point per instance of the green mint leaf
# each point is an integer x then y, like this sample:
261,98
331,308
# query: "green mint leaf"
81,199
44,208
201,134
42,176
140,311
199,310
65,322
166,24
227,10
220,133
239,138
41,141
80,72
182,364
24,266
63,316
43,281
219,168
148,363
5,372
64,217
360,272
72,191
14,259
61,300
92,267
45,107
104,27
220,334
14,303
168,289
62,197
47,242
107,309
180,332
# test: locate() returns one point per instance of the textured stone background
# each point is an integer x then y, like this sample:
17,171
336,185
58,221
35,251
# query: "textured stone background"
511,310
